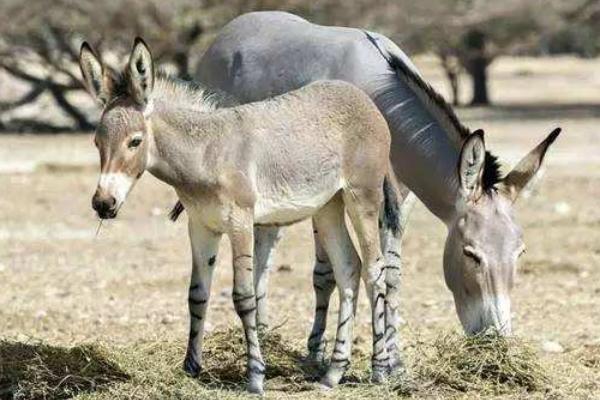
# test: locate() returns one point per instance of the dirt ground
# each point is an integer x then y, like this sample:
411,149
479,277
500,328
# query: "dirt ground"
128,286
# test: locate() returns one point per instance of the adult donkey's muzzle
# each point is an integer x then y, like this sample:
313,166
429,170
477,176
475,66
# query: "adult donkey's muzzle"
104,204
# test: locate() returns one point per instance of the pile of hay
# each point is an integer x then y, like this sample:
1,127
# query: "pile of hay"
40,371
224,354
487,364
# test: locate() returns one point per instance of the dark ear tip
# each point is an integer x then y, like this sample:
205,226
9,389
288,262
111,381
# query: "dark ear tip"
552,136
138,40
85,46
477,133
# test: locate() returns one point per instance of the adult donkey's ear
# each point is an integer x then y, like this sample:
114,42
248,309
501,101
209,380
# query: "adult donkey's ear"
526,169
470,166
141,72
96,81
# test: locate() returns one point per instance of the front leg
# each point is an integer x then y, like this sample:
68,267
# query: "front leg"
244,299
205,245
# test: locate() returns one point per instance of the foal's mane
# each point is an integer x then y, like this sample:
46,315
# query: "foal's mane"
175,92
441,111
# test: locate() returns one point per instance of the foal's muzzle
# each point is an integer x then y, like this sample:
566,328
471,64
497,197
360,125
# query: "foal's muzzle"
104,204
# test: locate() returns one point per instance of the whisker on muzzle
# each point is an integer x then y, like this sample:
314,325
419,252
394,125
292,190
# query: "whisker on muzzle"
99,226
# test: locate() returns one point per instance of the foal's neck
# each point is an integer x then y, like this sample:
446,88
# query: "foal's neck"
181,138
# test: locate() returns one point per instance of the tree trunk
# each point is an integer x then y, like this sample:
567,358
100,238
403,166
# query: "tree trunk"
476,61
452,70
478,72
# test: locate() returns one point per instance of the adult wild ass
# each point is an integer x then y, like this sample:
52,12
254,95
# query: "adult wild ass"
315,152
262,54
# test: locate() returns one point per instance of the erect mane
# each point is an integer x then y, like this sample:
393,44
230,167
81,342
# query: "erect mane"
174,91
441,111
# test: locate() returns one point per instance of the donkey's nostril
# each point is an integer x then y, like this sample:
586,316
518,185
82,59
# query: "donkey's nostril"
104,205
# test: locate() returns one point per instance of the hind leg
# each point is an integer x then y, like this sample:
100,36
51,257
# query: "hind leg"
363,207
323,285
329,222
265,240
391,240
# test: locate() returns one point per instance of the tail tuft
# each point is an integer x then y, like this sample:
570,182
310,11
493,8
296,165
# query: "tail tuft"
176,211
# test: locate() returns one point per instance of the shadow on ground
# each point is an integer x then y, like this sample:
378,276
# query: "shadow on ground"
40,371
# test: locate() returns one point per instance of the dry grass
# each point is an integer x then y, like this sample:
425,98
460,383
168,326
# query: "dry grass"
448,365
127,289
486,364
41,371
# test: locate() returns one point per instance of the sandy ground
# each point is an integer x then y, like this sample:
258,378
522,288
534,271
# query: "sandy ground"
61,284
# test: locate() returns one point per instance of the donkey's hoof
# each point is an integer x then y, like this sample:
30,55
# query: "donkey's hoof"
191,367
255,387
332,377
316,358
321,386
379,375
396,368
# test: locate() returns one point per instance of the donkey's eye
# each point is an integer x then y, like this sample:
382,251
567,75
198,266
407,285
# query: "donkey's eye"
522,251
470,252
135,141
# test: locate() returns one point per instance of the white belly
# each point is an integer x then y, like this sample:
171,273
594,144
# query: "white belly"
282,209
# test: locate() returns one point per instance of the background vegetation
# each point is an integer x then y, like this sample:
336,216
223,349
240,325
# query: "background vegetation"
39,41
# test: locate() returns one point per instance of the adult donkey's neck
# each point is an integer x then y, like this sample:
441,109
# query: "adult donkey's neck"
427,137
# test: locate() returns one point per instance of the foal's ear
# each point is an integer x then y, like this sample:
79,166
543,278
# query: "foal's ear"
141,72
526,169
470,166
97,82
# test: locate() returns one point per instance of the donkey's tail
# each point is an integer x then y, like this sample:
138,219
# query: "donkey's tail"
391,207
176,211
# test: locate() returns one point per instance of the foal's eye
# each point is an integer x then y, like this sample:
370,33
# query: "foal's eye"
135,142
470,252
523,251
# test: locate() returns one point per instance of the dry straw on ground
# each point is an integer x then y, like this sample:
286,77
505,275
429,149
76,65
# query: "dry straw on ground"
486,364
451,364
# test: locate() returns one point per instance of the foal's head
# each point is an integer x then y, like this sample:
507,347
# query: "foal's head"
123,134
485,241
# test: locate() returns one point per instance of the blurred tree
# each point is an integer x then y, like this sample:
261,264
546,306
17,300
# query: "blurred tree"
467,35
39,40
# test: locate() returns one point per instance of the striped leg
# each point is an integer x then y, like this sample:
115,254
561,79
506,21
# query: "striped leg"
363,209
391,243
205,245
323,284
244,299
265,240
346,267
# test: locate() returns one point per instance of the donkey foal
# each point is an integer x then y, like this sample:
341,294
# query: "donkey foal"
314,152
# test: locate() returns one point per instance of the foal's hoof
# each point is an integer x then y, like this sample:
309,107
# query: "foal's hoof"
191,367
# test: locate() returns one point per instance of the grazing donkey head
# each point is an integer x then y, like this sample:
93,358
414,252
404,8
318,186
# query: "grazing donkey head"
485,241
122,134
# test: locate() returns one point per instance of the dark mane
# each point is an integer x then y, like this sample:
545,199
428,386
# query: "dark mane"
491,172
